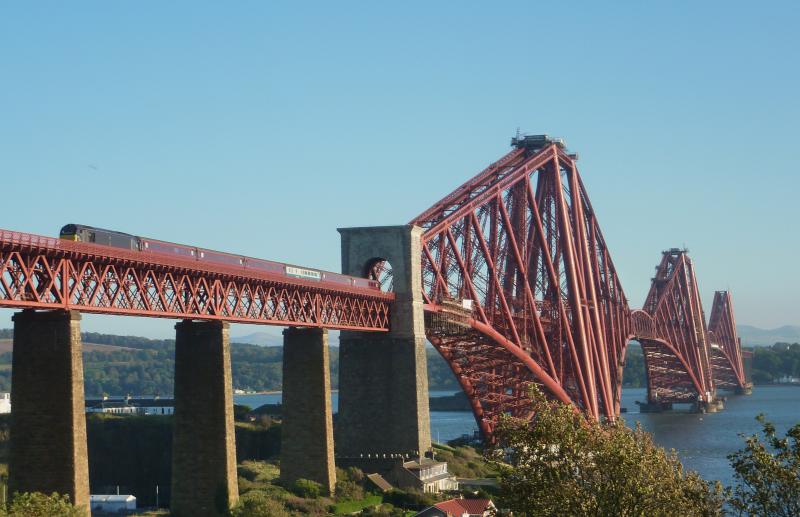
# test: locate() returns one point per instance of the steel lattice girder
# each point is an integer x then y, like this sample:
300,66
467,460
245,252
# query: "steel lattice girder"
727,364
675,342
521,241
45,273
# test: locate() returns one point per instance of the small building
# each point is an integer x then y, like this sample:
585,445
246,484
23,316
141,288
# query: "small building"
425,474
112,503
131,406
459,508
5,402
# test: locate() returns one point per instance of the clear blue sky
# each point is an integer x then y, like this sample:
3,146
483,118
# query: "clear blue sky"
261,127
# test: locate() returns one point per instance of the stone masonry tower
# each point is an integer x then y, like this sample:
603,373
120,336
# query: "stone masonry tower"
383,378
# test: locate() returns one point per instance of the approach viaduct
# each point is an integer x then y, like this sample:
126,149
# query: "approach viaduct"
509,277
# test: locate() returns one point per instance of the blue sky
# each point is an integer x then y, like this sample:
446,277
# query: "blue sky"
261,127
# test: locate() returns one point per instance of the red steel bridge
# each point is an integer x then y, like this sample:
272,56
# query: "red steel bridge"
519,289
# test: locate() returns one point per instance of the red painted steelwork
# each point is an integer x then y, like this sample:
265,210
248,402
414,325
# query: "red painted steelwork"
726,348
676,347
520,289
45,273
520,243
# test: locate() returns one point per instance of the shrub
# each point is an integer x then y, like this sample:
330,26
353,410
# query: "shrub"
768,473
348,490
416,500
35,504
306,488
240,412
259,504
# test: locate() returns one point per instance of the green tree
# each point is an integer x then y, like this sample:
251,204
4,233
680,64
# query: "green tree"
768,473
259,504
35,504
563,464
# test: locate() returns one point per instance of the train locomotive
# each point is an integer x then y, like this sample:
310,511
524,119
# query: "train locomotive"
115,239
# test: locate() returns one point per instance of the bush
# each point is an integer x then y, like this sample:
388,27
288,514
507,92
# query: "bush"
259,504
768,473
35,504
348,490
240,412
415,500
306,488
563,464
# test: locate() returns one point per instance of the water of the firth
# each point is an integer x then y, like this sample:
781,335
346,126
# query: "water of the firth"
702,441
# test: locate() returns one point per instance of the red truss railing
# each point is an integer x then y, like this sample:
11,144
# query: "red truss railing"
726,348
46,273
518,247
675,344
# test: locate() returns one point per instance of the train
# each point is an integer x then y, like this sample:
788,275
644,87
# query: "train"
115,239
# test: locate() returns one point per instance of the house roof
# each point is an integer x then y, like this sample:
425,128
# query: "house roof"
426,462
380,482
459,507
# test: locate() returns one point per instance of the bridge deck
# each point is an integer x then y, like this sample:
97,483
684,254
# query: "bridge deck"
38,272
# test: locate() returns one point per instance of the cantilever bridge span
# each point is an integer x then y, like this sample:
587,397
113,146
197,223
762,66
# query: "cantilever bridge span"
520,289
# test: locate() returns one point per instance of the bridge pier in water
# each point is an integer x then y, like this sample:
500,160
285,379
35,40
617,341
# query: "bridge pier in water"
383,377
307,428
48,451
204,481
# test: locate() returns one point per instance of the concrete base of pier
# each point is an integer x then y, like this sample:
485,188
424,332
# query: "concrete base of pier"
204,479
747,390
307,428
48,450
654,407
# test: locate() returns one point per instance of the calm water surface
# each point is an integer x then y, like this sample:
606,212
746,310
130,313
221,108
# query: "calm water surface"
702,441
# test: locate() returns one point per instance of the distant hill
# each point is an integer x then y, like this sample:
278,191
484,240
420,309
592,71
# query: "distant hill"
260,338
119,365
754,336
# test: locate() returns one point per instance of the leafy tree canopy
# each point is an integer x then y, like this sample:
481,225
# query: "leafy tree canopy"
768,473
563,464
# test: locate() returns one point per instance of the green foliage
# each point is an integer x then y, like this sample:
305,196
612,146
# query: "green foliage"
772,363
564,464
35,504
146,366
356,504
347,490
259,471
634,374
240,411
440,376
256,503
768,473
465,461
385,510
409,499
306,488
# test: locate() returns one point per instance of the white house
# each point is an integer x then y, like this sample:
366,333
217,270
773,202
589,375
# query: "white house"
112,503
5,402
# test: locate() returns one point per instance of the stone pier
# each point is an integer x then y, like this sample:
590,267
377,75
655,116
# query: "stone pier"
48,450
383,378
203,448
307,428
